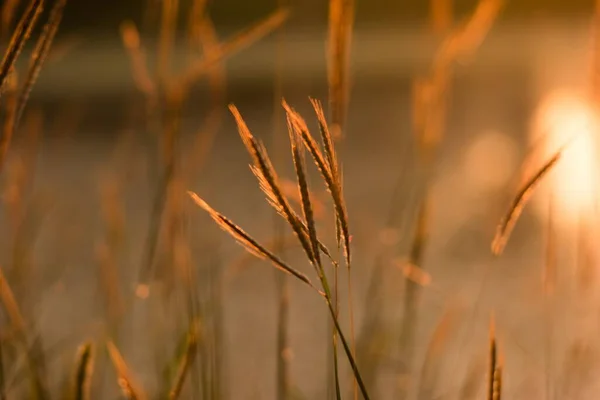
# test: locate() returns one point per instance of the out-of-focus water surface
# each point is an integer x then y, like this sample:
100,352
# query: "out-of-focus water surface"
91,137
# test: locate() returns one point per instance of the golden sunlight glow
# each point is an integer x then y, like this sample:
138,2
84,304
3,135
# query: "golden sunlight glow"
564,117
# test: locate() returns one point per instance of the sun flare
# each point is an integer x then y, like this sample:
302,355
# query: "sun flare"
567,118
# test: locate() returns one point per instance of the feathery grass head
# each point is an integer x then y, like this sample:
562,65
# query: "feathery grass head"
328,167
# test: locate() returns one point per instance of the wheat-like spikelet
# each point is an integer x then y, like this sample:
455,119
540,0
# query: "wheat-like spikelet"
269,183
333,186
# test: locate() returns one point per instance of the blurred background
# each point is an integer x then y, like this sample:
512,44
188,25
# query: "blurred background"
84,178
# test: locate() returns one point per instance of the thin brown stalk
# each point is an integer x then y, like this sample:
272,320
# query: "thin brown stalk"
441,16
38,57
283,347
170,10
518,203
430,372
469,36
341,20
197,16
184,366
203,31
130,388
341,213
84,368
249,243
232,46
34,355
10,114
494,369
412,293
137,56
8,11
299,166
20,36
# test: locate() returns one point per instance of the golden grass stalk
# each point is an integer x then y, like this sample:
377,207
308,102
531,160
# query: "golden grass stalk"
249,243
341,19
130,388
268,180
289,188
34,355
184,365
430,372
495,368
137,56
299,166
335,189
228,48
7,15
84,368
39,55
10,114
283,346
169,13
19,38
205,33
518,203
441,16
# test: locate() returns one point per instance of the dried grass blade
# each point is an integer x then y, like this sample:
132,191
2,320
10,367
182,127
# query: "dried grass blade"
40,53
84,368
20,36
129,386
341,19
251,245
516,207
